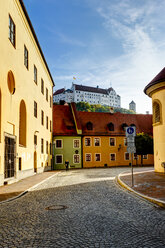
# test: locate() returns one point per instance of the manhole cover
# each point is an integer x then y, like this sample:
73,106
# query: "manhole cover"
56,207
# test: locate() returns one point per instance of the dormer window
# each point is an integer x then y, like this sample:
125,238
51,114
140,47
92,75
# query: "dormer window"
132,125
89,126
110,126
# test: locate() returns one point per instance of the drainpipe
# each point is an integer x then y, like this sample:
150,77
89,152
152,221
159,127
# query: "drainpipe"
82,151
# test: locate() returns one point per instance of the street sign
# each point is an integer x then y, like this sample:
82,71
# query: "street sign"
130,131
131,149
130,139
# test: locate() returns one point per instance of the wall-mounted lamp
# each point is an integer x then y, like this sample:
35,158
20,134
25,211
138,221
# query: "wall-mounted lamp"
119,147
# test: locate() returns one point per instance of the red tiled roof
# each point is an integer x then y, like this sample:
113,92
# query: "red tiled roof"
58,91
100,121
160,77
63,118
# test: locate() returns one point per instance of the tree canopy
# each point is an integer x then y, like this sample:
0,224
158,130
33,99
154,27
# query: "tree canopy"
144,144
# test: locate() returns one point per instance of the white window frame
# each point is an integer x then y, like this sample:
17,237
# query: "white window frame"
146,157
56,159
134,157
110,157
125,156
79,143
99,141
114,140
73,158
61,144
95,157
90,141
90,155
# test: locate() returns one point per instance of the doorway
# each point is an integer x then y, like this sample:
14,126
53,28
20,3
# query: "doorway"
35,161
10,155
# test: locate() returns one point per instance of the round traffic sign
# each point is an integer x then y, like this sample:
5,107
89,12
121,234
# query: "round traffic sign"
130,130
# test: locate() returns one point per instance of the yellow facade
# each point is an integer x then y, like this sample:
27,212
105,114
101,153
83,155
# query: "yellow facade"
18,92
106,153
157,92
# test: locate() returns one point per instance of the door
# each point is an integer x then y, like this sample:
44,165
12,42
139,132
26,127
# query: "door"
10,150
35,161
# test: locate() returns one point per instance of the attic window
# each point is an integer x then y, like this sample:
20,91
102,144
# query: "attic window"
89,125
110,126
133,125
124,125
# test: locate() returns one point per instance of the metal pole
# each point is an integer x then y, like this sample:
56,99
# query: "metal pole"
132,168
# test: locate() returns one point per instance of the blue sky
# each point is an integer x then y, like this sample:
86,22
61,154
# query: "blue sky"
108,42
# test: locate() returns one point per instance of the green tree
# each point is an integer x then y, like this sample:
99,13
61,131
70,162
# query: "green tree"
144,145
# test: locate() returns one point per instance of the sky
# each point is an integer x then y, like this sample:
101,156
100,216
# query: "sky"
109,43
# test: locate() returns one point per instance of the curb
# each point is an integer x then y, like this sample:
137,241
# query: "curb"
27,190
160,203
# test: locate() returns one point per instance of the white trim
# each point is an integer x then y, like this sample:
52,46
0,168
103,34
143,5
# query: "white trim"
114,140
125,157
73,144
99,141
134,157
79,158
61,144
91,157
90,141
100,157
145,155
56,160
110,157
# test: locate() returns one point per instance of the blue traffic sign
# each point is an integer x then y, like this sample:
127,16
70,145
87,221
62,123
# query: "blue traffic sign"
130,130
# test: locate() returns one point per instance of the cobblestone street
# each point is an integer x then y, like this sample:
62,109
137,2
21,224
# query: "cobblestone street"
99,214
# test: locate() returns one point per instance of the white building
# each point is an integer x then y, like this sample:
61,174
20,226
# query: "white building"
92,95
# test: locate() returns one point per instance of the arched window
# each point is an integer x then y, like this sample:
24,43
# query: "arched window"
110,126
11,82
132,125
89,125
156,111
22,124
0,115
124,125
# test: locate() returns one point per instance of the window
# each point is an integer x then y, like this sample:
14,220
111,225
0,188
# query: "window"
35,109
11,31
135,156
124,125
47,122
50,101
125,141
59,159
145,156
156,112
22,124
42,86
35,74
42,117
127,156
42,145
89,126
20,163
76,143
46,147
87,141
26,57
96,141
76,159
97,157
110,126
50,148
50,126
46,94
11,82
112,141
35,139
58,143
88,157
112,156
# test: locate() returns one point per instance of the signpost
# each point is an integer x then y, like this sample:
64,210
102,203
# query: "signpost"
130,135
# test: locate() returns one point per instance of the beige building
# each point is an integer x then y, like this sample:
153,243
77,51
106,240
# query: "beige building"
156,90
25,97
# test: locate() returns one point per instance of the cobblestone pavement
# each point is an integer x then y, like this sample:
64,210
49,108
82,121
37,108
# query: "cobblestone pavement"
99,214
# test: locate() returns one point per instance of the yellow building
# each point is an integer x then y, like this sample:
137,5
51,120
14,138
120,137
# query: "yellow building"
156,90
25,97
